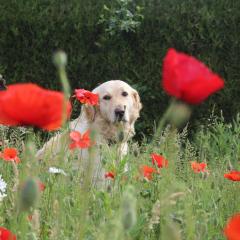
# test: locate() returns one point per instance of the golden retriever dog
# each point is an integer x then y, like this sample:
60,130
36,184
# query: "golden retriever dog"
113,120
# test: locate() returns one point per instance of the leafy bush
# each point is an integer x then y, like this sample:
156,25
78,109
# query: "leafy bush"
121,18
32,31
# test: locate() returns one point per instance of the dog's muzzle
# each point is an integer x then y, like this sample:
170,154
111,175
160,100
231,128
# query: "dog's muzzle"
119,115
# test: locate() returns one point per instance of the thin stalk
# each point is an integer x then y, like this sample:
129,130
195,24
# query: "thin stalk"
164,120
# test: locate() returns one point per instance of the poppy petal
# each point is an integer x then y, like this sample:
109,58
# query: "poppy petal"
29,104
188,79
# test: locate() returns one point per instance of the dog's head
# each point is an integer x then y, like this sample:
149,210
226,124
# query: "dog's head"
118,102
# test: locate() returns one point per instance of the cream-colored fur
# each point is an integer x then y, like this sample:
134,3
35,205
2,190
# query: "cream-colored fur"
103,120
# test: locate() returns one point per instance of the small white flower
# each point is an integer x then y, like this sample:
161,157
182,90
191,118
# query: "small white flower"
55,170
3,186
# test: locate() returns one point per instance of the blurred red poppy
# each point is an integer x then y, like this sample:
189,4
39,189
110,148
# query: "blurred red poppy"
41,186
159,160
5,234
188,79
10,154
148,171
233,175
29,104
86,97
80,140
232,229
198,167
109,175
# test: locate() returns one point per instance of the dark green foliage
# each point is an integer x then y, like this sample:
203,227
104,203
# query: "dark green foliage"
32,30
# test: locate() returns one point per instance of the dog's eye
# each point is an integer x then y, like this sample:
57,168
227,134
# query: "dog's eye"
124,94
107,97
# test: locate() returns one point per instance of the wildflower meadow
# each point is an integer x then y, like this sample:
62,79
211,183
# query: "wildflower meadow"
175,186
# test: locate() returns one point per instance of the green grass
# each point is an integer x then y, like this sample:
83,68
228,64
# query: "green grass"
175,204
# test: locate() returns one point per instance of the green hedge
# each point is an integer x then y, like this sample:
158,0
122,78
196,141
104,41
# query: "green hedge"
32,30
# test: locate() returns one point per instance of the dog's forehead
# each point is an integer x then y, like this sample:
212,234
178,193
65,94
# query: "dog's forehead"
112,87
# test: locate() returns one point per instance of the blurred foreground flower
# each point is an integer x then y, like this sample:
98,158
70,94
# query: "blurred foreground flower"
29,194
232,229
179,114
109,175
86,97
80,140
10,154
148,172
5,234
199,167
188,79
55,170
3,186
234,176
128,208
159,160
28,104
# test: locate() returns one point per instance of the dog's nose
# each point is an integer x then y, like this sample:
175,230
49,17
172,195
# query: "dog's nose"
119,113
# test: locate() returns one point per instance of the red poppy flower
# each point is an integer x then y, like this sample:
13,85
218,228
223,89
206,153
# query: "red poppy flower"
232,229
233,175
10,154
199,167
159,160
109,175
148,171
188,79
80,140
5,234
86,97
41,186
29,104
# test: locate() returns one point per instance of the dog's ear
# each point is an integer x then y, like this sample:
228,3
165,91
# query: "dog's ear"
137,101
90,112
137,106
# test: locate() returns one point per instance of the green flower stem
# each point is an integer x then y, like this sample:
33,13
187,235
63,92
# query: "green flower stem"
64,81
88,182
164,120
60,61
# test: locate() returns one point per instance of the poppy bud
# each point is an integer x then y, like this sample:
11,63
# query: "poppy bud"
29,194
179,114
60,59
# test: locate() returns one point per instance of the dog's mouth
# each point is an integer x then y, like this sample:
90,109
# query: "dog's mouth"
120,119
